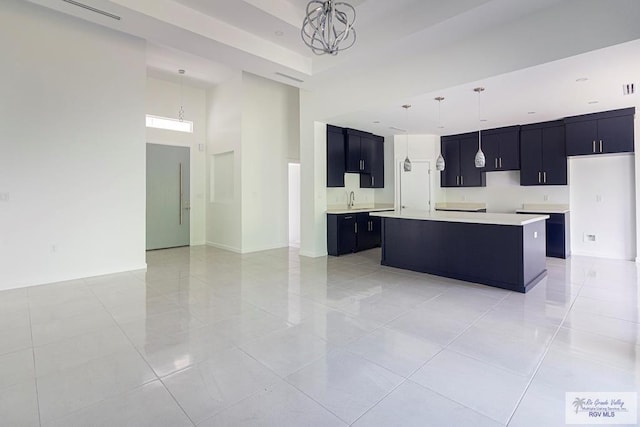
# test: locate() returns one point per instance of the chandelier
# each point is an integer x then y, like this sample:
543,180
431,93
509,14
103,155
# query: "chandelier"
328,27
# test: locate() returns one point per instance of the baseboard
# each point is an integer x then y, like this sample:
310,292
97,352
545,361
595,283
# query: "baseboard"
599,255
224,247
310,254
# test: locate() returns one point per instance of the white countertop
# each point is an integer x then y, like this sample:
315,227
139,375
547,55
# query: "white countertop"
469,217
461,206
334,210
544,208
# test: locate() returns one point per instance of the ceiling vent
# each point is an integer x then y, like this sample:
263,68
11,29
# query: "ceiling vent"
628,89
93,9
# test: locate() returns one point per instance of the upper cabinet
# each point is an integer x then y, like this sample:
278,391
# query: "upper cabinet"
372,153
459,153
501,149
354,151
598,133
543,159
335,156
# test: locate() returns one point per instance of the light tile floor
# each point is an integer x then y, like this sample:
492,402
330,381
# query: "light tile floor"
208,337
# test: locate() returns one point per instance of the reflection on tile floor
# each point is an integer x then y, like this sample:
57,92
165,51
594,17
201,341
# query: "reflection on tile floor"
208,337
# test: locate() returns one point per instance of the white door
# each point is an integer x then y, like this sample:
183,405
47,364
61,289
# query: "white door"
167,196
415,185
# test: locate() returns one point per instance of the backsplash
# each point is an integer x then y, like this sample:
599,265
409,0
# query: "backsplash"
503,193
340,196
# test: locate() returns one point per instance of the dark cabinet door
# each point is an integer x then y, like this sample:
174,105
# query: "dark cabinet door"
470,175
335,159
376,230
364,235
509,157
530,157
347,237
372,175
353,163
491,150
554,156
366,154
377,164
615,135
582,138
450,176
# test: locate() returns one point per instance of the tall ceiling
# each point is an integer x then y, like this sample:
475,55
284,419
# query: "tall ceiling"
528,55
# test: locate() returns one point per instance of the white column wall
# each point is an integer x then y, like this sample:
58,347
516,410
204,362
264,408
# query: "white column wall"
224,135
162,99
270,133
72,148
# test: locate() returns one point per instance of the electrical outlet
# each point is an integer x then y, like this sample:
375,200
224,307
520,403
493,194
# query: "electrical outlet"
598,198
545,198
4,197
589,237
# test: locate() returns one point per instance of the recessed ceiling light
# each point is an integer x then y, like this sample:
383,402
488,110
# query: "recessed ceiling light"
279,33
484,120
582,79
376,121
531,112
593,102
440,127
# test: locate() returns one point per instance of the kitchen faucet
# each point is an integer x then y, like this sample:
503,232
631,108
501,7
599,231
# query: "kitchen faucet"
352,198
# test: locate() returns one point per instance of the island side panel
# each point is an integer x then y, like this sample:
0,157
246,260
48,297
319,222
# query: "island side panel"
482,253
534,253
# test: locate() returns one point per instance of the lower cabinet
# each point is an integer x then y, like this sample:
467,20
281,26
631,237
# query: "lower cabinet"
557,231
347,233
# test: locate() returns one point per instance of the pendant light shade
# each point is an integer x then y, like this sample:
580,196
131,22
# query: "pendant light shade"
440,160
480,159
440,163
407,163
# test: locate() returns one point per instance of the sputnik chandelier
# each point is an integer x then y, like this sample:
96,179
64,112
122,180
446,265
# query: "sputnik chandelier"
328,26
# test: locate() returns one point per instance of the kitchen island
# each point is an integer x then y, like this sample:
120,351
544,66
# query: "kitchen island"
501,250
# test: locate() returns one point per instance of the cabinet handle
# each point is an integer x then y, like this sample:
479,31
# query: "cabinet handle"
500,162
496,163
356,227
601,146
373,180
363,165
593,146
462,180
348,217
539,177
544,175
457,180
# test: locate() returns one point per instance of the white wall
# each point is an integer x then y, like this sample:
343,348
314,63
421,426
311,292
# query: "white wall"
270,135
602,204
224,125
72,153
162,99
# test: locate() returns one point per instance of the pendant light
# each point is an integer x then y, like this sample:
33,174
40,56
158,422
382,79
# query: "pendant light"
407,162
327,27
479,160
440,160
181,109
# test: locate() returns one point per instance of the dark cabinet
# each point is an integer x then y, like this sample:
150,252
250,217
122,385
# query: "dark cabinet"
372,152
347,233
335,156
501,149
459,152
557,231
362,153
543,159
600,133
359,146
